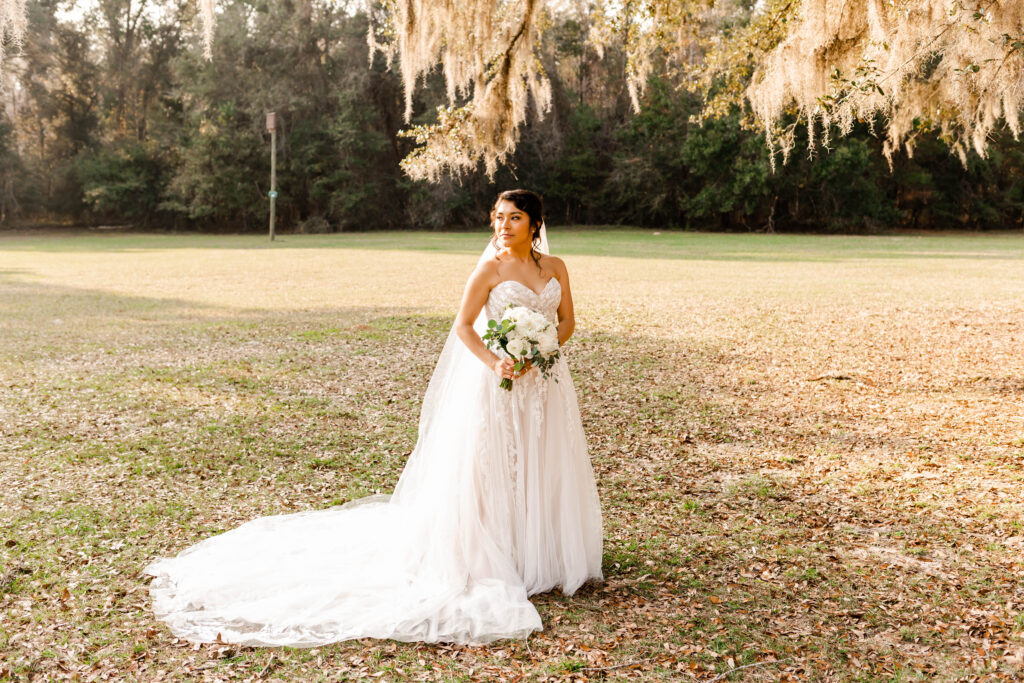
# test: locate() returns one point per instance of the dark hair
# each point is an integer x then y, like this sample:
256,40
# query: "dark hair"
532,205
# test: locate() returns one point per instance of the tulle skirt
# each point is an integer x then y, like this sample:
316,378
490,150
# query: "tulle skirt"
497,502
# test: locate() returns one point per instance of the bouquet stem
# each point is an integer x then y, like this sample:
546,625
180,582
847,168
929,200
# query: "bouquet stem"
506,384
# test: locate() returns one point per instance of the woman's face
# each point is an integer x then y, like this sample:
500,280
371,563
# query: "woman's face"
511,225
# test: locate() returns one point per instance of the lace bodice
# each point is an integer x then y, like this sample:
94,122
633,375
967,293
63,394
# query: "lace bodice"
514,292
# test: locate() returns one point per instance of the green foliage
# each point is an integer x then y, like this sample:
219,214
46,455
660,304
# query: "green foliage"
935,190
346,167
12,173
648,175
122,183
221,165
123,120
581,168
730,179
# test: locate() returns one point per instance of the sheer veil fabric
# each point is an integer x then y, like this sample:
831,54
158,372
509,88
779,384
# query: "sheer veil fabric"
496,502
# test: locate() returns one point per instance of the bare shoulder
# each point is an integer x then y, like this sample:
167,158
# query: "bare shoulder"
486,273
555,265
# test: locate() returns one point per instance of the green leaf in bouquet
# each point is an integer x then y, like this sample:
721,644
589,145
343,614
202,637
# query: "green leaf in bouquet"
492,324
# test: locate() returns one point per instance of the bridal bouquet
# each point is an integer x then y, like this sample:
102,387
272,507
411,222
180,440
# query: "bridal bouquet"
525,335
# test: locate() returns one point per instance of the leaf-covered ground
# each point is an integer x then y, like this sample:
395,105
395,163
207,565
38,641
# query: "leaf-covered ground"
810,450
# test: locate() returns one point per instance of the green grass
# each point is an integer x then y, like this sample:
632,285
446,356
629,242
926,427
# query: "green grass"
808,449
571,241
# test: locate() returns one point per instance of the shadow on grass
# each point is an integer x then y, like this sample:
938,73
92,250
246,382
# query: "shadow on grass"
24,300
711,545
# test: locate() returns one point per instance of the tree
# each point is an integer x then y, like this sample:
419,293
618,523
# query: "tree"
910,65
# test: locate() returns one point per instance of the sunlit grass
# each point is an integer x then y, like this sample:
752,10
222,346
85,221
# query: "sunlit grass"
808,448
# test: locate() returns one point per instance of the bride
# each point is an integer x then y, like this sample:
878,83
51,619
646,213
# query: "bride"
496,502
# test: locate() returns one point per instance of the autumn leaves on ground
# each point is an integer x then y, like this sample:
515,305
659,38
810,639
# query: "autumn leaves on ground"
810,450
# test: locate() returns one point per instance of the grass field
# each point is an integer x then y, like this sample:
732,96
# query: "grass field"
810,450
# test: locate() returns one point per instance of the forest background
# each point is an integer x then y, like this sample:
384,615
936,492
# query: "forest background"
112,116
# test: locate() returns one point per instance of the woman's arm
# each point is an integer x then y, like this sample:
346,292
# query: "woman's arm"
566,316
473,299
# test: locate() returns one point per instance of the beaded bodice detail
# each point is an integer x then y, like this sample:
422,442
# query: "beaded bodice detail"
514,292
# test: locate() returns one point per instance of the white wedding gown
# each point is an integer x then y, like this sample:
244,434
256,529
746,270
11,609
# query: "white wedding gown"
497,502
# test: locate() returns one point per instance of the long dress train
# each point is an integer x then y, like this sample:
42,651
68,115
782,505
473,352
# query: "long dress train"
497,502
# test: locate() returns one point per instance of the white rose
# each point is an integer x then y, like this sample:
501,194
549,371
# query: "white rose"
527,328
517,314
548,344
516,347
535,325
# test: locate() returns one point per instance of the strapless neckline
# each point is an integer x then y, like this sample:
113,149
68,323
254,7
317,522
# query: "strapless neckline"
527,287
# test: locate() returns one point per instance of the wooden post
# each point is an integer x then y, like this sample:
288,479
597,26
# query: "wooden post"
272,127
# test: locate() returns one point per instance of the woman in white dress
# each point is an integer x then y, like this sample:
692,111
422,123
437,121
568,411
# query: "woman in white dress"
496,502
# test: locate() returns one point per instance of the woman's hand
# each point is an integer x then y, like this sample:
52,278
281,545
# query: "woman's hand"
504,368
